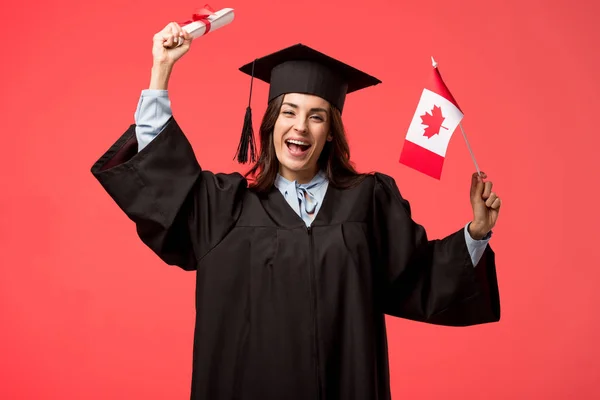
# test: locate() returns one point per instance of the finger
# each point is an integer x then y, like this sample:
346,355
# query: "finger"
168,41
172,42
178,31
169,31
491,199
187,37
182,38
487,189
175,28
496,204
476,186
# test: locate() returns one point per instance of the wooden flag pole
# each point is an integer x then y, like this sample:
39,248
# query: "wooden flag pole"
469,147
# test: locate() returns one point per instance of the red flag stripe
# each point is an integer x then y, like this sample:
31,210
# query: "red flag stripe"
421,159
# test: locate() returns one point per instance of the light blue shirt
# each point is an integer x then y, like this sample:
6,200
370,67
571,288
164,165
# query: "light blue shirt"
153,112
304,198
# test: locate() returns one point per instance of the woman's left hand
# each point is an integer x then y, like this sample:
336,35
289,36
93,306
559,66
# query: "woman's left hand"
486,206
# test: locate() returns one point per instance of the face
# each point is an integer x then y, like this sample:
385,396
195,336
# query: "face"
300,133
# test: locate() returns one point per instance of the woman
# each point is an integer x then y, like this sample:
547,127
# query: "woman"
294,273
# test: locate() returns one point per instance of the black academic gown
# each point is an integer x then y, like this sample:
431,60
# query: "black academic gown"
285,311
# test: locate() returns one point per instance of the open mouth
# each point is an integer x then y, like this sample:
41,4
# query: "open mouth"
297,147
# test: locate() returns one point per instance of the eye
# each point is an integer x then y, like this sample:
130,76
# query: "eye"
288,112
318,118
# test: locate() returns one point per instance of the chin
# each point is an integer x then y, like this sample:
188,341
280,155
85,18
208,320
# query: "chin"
296,166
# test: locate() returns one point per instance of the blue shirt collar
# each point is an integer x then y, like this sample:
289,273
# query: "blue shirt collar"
316,181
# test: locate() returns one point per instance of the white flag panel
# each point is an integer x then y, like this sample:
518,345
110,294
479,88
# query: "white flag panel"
452,116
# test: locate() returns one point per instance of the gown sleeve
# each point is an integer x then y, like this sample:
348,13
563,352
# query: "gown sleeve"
430,281
180,211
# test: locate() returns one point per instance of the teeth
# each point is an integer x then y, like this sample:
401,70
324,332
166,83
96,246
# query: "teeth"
298,142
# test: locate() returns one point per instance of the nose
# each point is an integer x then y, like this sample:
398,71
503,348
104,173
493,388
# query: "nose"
300,125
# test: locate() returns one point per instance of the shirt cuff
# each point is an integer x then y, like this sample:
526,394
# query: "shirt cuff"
155,93
476,247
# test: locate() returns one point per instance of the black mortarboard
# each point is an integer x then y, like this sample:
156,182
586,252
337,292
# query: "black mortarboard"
300,69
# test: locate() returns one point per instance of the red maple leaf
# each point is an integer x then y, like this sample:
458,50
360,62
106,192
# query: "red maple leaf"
433,120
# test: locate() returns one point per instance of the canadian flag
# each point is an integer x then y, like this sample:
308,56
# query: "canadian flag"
431,128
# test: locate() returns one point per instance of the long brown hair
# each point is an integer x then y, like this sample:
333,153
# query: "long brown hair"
334,159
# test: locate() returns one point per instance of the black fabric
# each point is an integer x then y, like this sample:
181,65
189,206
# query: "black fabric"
283,311
301,69
309,78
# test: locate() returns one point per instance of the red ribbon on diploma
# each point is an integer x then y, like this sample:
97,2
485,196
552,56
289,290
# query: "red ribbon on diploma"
201,15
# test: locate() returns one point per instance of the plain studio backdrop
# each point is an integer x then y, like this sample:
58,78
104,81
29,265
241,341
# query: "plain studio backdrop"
87,311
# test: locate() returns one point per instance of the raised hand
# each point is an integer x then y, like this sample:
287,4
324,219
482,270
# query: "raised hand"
486,206
165,49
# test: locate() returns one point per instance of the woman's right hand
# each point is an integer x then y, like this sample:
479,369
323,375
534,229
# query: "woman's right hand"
164,48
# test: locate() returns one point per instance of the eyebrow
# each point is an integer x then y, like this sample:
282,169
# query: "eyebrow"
312,109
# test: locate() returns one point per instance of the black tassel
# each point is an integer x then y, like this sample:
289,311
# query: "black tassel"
247,139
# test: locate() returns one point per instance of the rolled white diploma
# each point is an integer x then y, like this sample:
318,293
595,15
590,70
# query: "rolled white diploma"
217,20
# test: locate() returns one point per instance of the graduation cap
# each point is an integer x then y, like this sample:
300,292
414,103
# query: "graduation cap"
300,69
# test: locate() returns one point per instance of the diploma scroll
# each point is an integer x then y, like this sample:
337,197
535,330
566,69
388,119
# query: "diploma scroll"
205,21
